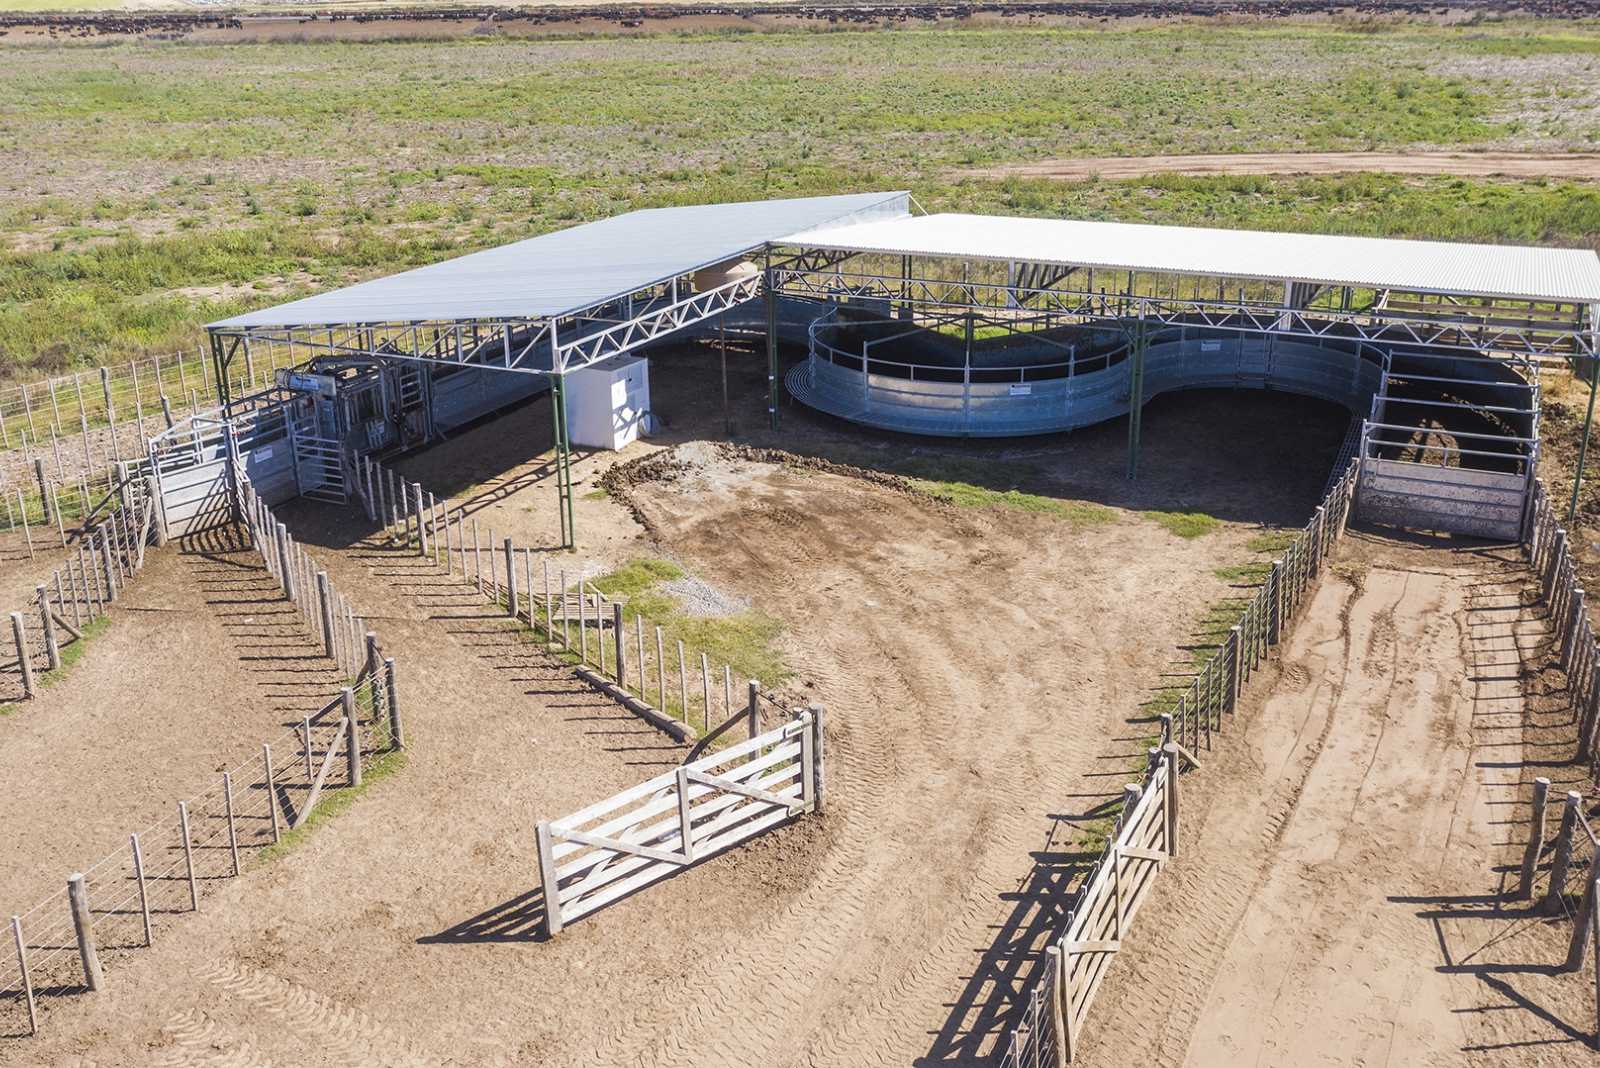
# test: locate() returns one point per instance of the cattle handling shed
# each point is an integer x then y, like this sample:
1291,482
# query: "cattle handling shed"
947,324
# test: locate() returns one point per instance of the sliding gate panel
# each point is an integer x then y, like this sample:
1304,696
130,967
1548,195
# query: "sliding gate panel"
1455,500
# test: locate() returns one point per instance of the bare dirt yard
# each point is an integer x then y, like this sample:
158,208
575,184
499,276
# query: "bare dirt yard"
984,623
23,566
981,666
1348,896
1581,165
202,661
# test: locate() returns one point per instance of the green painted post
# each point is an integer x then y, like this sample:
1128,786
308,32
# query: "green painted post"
772,348
558,400
1135,393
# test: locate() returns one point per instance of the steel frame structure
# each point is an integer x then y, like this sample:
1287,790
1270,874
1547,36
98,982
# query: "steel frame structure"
1304,311
551,347
942,286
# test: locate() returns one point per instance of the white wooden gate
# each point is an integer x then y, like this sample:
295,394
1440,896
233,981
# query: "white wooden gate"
626,842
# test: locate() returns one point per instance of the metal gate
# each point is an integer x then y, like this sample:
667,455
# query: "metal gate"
1421,469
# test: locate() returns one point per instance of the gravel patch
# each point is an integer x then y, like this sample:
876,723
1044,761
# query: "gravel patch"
697,597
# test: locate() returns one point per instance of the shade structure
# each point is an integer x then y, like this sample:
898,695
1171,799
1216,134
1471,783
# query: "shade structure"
567,271
1495,271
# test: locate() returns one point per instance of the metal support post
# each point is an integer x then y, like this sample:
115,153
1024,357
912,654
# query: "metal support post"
1136,392
563,443
772,345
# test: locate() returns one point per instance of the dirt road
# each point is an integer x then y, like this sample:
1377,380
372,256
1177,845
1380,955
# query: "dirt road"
1345,904
1581,165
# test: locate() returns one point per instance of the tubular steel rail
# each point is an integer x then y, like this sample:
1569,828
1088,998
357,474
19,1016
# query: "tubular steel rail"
615,847
1146,832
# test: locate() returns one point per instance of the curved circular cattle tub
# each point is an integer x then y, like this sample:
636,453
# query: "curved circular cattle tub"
895,375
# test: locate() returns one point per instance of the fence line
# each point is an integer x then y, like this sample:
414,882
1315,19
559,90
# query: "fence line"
333,620
109,554
1574,849
111,409
1145,833
117,904
705,806
670,685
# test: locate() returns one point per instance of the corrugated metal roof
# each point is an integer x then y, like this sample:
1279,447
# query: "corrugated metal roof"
569,270
1508,271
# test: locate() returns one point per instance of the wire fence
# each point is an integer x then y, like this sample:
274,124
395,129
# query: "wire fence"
169,867
108,555
333,619
672,685
1551,556
103,415
1042,1035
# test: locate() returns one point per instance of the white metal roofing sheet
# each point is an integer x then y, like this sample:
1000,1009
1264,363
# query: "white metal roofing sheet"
569,270
1507,271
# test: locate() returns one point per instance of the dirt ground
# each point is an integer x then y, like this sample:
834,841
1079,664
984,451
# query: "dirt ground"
1344,899
980,667
202,662
21,570
1581,165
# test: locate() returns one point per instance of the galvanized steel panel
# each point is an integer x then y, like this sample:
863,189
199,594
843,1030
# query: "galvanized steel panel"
1484,504
569,270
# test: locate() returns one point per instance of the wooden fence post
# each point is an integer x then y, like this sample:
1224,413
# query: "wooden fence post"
325,614
138,875
619,634
1535,846
1558,871
352,749
83,927
188,854
547,877
396,732
106,554
1061,1003
511,579
272,792
227,811
24,661
1584,918
422,530
52,650
1169,752
819,759
1236,655
27,979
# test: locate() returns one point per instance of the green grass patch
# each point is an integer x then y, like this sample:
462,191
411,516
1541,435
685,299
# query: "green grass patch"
89,274
1253,573
1273,541
967,495
742,641
333,802
1185,524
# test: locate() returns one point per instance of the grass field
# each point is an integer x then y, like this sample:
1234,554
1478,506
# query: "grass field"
146,187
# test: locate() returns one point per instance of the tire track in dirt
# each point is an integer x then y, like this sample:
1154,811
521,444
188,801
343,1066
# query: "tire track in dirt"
1281,953
341,1035
200,1042
1213,898
856,968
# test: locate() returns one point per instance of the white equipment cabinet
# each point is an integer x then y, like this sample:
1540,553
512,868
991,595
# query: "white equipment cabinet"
608,402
